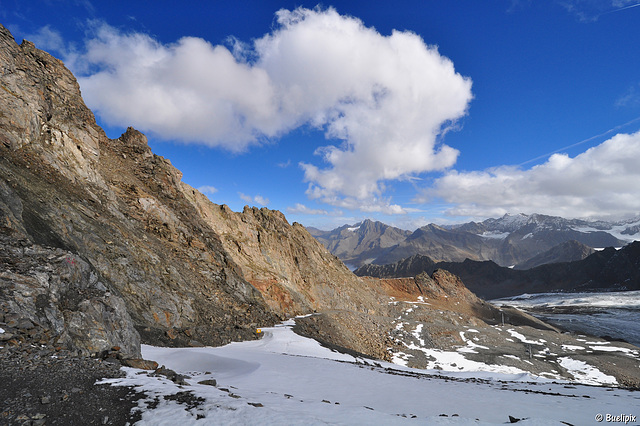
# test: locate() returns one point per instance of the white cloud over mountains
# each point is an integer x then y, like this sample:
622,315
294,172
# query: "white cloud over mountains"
386,99
602,182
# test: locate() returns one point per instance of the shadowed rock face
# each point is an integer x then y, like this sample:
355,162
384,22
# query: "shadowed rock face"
115,207
606,270
566,252
53,297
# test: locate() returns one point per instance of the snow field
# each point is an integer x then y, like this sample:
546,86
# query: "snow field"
287,379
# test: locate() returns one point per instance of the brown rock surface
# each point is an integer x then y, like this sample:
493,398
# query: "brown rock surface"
114,205
293,271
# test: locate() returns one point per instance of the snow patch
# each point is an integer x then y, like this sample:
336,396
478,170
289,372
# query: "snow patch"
523,339
495,235
585,373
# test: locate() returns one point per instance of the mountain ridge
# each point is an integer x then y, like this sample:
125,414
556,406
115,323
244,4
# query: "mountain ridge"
508,241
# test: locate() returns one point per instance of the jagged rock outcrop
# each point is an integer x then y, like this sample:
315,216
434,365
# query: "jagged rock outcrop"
114,206
294,272
187,270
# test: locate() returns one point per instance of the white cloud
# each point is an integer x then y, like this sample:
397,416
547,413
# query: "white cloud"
257,199
208,189
302,209
261,200
386,98
190,90
602,182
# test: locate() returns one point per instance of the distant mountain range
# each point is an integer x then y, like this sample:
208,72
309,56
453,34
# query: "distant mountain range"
520,241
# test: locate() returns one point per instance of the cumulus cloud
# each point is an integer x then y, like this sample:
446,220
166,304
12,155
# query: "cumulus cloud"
385,99
602,182
189,91
257,199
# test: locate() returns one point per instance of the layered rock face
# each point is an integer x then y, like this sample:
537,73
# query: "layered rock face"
116,209
52,297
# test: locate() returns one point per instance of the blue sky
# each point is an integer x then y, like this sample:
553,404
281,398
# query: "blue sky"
408,112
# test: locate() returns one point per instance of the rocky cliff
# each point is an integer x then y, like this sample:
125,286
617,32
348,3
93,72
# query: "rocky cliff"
188,271
115,209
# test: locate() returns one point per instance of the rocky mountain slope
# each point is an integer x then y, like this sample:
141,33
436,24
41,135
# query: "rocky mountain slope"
508,241
293,272
605,270
565,252
118,214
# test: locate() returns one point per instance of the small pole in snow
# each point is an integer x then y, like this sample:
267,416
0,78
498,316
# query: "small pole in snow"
502,314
